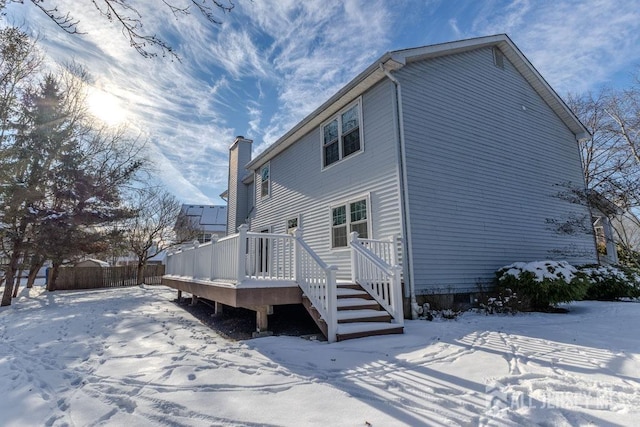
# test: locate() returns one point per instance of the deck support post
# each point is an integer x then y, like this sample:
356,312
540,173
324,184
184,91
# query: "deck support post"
217,308
194,300
262,320
179,295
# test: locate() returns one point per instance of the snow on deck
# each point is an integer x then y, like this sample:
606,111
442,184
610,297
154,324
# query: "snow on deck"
131,356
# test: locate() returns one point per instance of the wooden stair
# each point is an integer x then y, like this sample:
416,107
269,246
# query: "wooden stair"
359,315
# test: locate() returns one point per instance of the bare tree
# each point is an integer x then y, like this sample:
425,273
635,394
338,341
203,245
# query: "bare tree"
611,156
124,13
153,230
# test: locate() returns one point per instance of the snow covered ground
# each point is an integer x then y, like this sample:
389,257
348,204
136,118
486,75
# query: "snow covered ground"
133,357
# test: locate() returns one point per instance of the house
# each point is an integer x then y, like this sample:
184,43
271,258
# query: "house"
90,262
209,220
428,171
602,213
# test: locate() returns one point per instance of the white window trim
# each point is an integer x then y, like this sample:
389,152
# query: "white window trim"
286,222
345,202
268,165
336,116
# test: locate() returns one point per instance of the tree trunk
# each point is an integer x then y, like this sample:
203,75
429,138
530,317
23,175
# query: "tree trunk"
17,285
33,274
36,264
140,273
53,276
10,274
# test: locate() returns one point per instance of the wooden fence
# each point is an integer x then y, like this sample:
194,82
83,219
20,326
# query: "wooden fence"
105,277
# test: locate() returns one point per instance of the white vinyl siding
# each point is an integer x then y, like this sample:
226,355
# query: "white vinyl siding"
300,187
486,158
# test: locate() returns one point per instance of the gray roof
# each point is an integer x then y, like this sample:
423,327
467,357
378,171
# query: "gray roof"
397,59
211,218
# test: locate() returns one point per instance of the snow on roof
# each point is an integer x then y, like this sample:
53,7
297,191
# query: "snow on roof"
92,262
210,217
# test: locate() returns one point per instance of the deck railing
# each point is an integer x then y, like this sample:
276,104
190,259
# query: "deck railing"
283,257
379,278
318,282
236,258
270,256
262,256
387,250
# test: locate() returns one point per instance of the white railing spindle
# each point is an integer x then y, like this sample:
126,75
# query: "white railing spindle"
380,279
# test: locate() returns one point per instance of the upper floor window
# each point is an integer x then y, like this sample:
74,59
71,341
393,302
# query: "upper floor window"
341,136
265,181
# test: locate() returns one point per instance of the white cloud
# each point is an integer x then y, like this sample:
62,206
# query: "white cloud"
273,62
577,45
317,47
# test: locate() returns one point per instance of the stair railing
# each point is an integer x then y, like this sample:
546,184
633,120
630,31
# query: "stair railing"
318,282
380,279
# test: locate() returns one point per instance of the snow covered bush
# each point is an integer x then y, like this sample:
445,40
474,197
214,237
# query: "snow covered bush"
609,282
506,302
543,284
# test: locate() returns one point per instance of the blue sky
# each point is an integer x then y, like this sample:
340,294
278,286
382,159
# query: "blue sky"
270,63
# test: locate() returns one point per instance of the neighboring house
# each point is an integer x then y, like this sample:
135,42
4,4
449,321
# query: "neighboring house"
89,262
602,213
132,259
452,153
210,220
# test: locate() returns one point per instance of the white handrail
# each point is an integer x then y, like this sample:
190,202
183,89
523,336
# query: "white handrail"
235,258
318,282
263,256
381,280
270,256
387,250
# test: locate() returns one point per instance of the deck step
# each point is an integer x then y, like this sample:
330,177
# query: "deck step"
366,329
357,303
359,315
366,315
348,285
352,293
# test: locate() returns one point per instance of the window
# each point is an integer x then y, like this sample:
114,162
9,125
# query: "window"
292,224
341,137
204,237
265,181
347,218
601,237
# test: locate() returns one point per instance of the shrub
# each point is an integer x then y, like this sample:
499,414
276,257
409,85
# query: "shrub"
505,302
609,282
542,284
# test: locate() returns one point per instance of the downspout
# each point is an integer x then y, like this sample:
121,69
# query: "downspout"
404,195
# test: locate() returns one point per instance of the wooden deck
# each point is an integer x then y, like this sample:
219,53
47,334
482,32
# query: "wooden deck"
253,295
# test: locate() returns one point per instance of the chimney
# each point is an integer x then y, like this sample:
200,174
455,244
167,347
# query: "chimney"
237,197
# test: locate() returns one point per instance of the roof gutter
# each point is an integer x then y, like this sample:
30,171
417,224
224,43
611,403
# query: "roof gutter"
404,196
